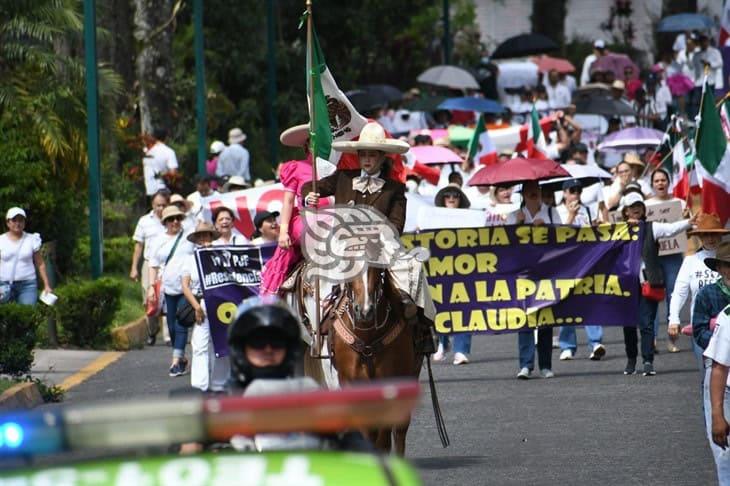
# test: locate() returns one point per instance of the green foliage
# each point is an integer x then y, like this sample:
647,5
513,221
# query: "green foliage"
85,310
49,393
17,328
130,302
117,255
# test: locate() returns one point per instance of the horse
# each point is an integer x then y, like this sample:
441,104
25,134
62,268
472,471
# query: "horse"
371,340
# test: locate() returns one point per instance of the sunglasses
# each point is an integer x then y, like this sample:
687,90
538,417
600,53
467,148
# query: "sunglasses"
174,218
575,190
453,196
261,342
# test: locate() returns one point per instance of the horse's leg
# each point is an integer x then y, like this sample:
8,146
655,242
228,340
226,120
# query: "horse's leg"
383,441
400,438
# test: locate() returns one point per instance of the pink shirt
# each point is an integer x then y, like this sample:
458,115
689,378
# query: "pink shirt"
294,174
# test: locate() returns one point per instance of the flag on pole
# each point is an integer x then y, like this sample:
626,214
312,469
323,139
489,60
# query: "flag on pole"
713,158
725,24
335,119
533,143
481,149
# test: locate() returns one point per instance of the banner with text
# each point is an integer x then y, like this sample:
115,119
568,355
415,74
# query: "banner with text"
512,278
228,276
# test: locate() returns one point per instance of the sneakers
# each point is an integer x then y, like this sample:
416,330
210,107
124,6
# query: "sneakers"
440,353
598,352
178,369
649,369
672,347
460,359
556,343
524,374
566,355
547,373
630,367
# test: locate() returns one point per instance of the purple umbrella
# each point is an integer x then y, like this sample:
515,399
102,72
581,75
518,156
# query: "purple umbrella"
617,64
632,139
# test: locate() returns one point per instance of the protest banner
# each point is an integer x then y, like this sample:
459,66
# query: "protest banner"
513,278
664,212
245,204
228,276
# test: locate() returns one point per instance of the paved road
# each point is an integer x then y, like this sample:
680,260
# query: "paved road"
589,425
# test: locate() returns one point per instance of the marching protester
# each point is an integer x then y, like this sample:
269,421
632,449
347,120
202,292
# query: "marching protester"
20,257
235,183
651,276
186,207
148,228
223,218
267,228
211,165
203,188
693,275
166,264
234,159
159,161
712,298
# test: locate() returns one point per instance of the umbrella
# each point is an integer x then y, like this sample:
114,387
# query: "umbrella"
679,84
434,133
587,174
364,101
384,93
591,89
516,171
433,154
517,74
634,138
617,64
685,21
524,45
469,103
459,136
603,105
547,63
424,103
449,77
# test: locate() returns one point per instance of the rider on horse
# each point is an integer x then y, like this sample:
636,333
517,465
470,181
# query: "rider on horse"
372,186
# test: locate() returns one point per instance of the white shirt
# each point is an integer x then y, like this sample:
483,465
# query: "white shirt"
585,74
190,269
234,160
558,95
23,250
713,57
172,271
664,230
692,276
718,349
236,239
544,214
582,217
148,228
196,199
158,159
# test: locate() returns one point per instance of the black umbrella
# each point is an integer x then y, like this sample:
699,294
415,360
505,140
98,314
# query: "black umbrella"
524,45
364,101
603,105
384,93
425,103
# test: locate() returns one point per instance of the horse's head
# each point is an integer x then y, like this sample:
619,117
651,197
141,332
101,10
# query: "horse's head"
368,294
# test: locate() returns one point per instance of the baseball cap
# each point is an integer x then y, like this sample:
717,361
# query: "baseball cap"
262,216
570,183
599,44
13,212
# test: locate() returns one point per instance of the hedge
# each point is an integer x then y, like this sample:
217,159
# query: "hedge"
117,255
17,338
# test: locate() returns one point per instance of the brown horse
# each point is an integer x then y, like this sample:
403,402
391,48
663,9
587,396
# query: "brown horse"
371,341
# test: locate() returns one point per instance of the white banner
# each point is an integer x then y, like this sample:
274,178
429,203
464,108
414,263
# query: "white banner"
245,204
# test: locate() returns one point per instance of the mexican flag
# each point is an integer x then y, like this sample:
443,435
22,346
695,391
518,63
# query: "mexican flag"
725,25
535,144
713,159
332,116
481,149
681,167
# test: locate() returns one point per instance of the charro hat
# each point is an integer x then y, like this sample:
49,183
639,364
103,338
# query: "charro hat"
372,137
295,136
202,228
722,255
708,223
171,211
236,135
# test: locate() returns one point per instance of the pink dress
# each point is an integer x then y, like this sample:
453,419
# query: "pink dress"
293,174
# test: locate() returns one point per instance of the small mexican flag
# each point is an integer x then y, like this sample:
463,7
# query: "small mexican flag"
335,119
536,144
481,149
713,159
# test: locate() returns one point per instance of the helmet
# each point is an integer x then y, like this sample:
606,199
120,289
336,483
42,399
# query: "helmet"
261,318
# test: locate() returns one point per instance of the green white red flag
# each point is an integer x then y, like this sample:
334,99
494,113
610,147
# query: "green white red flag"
481,149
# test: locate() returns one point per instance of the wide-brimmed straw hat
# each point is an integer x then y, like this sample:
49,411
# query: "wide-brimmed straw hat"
236,135
237,181
722,255
295,136
171,211
632,158
202,228
452,188
708,223
177,198
372,137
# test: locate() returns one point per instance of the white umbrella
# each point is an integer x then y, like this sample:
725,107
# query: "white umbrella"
448,76
517,74
634,138
587,174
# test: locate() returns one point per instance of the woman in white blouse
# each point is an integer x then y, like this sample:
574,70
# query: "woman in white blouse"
19,258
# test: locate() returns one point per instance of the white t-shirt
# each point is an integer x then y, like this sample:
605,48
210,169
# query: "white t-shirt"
718,349
148,228
158,159
173,271
582,218
558,95
190,269
692,276
544,213
196,199
23,249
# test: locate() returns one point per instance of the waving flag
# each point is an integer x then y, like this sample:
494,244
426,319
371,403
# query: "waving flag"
481,149
713,157
725,24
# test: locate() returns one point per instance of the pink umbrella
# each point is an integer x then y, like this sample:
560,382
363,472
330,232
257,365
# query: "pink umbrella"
547,63
434,154
516,171
679,84
617,64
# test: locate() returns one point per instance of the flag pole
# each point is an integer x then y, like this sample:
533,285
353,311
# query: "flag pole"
315,349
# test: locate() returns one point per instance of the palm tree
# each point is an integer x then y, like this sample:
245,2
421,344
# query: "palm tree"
42,88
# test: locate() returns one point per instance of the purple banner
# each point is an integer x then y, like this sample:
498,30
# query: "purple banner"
228,276
513,278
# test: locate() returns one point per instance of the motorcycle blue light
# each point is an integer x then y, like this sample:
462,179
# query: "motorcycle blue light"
11,436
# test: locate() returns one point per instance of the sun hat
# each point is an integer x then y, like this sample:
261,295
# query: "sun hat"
295,136
177,198
632,158
237,181
13,212
372,137
708,223
217,147
170,212
721,255
236,135
452,188
202,228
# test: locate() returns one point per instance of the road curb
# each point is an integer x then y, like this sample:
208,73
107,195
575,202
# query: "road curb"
22,395
130,336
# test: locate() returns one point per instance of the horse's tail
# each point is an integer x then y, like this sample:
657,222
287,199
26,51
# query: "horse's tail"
440,424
